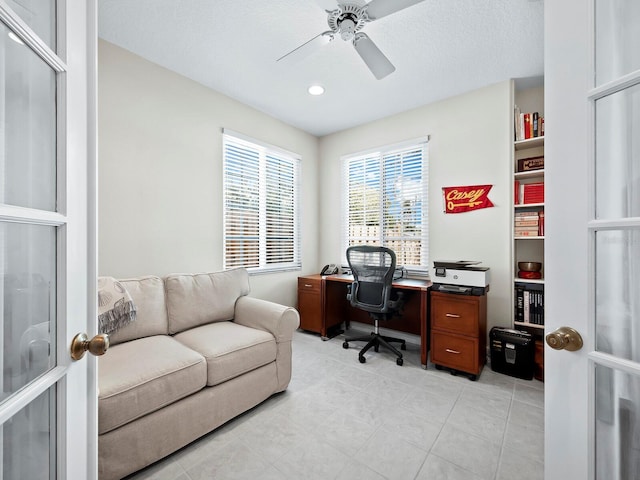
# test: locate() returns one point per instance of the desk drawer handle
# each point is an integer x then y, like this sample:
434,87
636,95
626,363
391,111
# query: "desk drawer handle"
308,285
448,350
451,315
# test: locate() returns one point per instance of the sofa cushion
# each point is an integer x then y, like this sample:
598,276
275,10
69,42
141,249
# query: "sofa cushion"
230,349
194,300
138,377
151,311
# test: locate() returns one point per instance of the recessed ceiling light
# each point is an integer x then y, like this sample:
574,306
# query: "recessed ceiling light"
316,90
15,38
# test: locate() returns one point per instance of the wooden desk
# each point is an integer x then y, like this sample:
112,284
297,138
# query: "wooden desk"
334,308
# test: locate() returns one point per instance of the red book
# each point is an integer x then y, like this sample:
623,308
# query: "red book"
516,192
541,223
534,188
533,199
527,125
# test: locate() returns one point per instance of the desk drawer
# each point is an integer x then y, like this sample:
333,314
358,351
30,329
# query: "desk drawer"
456,352
309,284
455,314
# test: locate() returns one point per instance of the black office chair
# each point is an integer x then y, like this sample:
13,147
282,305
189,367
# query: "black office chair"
372,268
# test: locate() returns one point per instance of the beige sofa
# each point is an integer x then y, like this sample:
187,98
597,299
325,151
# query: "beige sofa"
200,352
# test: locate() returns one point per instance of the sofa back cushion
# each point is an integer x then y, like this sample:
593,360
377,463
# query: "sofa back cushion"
196,299
151,310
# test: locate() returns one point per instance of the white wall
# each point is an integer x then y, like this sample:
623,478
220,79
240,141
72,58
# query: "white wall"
160,165
470,138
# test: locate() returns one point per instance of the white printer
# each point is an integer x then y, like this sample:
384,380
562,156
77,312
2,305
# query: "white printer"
460,276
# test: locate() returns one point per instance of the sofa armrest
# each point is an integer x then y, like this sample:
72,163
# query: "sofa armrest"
279,320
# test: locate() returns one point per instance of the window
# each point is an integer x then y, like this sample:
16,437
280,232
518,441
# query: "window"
385,202
261,212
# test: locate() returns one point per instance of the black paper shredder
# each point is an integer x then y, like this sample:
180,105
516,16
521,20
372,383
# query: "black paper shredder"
512,352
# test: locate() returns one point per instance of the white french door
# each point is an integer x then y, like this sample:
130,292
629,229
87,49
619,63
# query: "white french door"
592,107
47,238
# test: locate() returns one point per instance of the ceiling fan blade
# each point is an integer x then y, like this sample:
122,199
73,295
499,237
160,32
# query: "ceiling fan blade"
381,8
328,5
379,65
306,48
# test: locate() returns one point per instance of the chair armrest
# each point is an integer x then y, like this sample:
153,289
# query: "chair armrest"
279,320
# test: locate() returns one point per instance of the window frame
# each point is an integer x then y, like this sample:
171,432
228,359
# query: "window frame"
265,153
379,155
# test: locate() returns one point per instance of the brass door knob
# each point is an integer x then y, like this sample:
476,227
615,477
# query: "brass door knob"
98,345
564,338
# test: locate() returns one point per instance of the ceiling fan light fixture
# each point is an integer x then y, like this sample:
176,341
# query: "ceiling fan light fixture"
316,90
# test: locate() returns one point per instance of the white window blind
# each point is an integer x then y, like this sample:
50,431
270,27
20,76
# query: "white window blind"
386,202
261,212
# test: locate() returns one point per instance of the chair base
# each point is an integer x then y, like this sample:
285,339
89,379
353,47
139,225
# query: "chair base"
375,340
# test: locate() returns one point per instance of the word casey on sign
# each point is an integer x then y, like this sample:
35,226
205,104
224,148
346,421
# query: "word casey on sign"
465,199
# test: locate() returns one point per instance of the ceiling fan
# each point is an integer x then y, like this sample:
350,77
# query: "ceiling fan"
346,19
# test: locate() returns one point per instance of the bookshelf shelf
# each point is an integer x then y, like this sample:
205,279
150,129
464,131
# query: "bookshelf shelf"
539,281
528,205
529,174
529,143
529,325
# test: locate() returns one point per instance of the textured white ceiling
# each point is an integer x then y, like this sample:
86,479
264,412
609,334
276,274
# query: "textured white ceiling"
440,48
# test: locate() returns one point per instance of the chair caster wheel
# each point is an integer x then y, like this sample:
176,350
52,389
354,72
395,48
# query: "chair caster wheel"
403,346
376,348
362,359
399,361
345,345
438,367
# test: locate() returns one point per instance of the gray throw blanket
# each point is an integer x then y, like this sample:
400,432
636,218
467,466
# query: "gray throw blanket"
115,306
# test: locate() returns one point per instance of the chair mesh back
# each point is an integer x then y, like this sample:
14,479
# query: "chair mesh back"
372,269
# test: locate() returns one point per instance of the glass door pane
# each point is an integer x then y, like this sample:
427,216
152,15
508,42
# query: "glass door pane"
28,440
618,154
617,410
40,15
27,127
27,296
617,301
617,38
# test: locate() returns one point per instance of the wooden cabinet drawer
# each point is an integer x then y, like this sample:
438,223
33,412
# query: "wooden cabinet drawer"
454,314
306,284
454,351
310,309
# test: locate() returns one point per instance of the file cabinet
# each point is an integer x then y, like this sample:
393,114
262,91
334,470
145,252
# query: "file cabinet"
459,332
310,303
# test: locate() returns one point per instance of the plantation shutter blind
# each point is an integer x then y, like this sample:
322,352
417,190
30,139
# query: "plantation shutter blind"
261,212
386,202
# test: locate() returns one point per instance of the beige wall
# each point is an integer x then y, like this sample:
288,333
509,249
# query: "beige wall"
160,181
470,138
160,164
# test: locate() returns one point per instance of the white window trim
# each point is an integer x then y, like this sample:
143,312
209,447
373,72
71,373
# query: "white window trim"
266,149
422,270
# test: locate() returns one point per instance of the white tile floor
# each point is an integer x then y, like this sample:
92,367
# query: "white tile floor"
340,419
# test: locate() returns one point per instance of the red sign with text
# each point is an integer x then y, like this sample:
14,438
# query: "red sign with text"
465,199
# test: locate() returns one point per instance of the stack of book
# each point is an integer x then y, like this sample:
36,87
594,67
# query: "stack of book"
533,193
529,224
527,125
529,305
